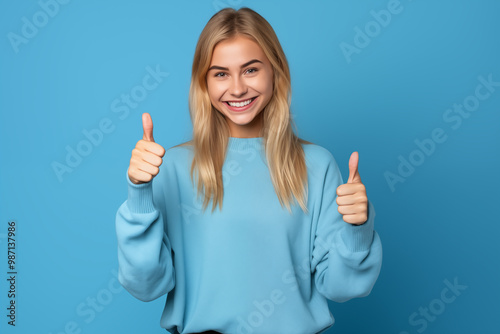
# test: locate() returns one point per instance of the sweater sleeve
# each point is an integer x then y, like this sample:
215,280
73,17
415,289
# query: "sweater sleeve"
144,252
346,259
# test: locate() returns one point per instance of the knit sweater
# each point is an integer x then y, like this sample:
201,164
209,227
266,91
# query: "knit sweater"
251,267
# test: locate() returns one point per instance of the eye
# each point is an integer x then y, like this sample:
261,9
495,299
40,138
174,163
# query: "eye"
252,70
219,74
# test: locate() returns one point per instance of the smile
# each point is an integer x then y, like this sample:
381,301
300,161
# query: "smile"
241,103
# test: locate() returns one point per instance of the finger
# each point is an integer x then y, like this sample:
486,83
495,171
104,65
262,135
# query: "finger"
150,169
352,209
147,126
350,188
152,159
142,176
355,219
353,168
351,199
152,147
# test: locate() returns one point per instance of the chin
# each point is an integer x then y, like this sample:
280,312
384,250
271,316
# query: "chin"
239,121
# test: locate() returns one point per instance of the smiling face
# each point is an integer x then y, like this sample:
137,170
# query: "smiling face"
240,84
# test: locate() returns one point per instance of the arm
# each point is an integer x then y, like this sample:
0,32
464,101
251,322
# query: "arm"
144,251
346,258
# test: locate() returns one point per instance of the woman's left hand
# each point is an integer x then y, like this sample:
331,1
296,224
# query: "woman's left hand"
351,196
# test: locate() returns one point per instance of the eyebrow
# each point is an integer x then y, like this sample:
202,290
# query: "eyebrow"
215,67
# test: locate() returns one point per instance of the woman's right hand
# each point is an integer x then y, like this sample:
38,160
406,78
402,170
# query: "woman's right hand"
146,156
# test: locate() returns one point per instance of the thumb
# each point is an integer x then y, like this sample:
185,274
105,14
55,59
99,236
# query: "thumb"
353,168
147,126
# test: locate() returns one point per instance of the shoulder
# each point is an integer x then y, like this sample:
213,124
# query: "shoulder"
321,165
176,163
178,153
177,159
318,156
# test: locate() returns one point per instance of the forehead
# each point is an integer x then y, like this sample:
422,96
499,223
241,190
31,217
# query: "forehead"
236,51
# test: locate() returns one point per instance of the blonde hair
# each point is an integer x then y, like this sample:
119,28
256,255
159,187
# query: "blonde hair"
284,153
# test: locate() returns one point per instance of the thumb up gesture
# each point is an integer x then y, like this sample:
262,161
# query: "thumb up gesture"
351,196
146,156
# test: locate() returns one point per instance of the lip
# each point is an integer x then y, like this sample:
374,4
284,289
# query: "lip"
248,106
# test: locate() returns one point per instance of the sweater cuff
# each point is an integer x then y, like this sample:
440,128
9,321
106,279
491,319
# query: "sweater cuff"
359,238
140,196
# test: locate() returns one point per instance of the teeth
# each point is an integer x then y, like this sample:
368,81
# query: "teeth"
240,104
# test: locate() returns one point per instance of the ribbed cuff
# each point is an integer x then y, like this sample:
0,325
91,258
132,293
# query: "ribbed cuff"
359,238
140,196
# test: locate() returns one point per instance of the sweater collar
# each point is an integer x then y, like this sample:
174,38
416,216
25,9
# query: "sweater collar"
238,144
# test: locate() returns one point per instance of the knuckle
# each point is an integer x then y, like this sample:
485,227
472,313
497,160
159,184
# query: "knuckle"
362,199
162,151
136,152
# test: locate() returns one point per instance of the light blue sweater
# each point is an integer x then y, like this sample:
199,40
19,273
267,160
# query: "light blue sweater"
252,267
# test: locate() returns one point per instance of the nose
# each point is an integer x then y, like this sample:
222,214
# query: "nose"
238,87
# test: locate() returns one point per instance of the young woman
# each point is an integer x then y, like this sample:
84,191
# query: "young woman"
282,234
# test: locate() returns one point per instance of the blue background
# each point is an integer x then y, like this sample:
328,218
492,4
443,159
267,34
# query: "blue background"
440,224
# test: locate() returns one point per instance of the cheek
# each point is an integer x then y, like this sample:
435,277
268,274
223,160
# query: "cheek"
211,93
269,84
214,91
263,85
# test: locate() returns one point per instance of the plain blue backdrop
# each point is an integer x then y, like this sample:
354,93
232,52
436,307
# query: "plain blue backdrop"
403,83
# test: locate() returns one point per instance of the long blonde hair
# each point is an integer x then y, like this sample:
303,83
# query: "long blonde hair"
284,153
